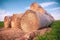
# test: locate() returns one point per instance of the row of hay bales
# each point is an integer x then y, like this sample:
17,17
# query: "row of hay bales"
33,19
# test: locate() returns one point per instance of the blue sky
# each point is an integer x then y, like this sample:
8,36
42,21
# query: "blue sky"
8,7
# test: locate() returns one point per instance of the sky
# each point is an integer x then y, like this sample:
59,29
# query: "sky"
9,7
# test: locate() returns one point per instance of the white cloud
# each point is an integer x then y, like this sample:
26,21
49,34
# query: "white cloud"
57,8
55,12
45,4
56,16
27,8
4,13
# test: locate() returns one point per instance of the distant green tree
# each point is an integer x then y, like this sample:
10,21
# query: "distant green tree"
1,24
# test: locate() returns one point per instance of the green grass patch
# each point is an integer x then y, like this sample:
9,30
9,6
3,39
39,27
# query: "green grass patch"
1,24
54,34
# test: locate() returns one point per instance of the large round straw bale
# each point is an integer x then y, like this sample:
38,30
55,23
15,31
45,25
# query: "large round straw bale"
33,21
37,8
15,22
7,21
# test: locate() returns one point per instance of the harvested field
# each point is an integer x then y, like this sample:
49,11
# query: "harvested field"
18,34
11,34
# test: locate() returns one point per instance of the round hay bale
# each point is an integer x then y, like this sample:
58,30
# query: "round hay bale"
33,21
37,8
15,22
7,21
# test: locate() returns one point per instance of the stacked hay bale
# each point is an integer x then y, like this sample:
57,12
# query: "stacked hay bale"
7,22
33,21
37,8
15,21
12,21
35,18
29,23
